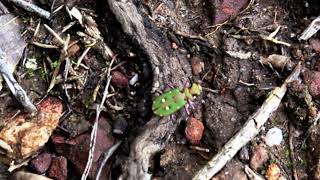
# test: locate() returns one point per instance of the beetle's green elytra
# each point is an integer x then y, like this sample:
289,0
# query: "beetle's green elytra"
173,100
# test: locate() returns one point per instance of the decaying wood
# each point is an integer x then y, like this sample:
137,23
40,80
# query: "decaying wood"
249,130
167,68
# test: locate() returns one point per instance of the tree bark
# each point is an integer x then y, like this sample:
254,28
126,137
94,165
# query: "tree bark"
168,66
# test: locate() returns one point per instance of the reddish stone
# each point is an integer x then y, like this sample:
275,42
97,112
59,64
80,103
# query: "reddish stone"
315,43
174,46
227,9
76,149
57,139
51,105
26,134
197,65
41,163
194,130
119,80
312,79
58,169
259,157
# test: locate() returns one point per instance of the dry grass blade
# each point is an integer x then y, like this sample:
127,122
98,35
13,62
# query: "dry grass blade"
46,46
62,58
60,40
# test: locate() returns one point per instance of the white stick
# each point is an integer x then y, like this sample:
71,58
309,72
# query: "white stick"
312,29
32,8
96,124
248,131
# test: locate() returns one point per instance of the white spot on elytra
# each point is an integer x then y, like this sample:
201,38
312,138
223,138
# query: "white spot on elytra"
163,100
167,108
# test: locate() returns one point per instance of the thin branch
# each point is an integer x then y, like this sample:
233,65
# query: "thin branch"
107,155
14,86
85,52
60,40
102,78
63,56
292,154
94,132
250,129
46,46
37,29
32,8
96,124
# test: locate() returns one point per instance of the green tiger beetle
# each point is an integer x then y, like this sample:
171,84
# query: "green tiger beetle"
173,100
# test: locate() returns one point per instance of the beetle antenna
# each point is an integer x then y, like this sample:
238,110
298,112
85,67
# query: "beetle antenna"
186,107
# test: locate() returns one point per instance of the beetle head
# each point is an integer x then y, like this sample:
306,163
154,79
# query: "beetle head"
195,89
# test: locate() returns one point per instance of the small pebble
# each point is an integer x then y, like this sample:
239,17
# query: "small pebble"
120,125
119,80
197,65
58,169
244,153
259,157
312,80
274,137
41,163
315,43
134,80
194,131
276,60
31,64
174,46
273,172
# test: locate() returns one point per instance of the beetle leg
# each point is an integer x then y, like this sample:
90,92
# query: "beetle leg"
171,85
185,83
186,107
191,104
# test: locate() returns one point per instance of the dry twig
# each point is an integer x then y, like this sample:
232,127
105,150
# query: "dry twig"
107,155
292,155
85,52
46,46
63,56
102,78
60,40
250,129
96,123
14,86
94,132
32,8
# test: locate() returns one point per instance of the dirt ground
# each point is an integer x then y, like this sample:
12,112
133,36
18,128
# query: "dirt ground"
222,44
